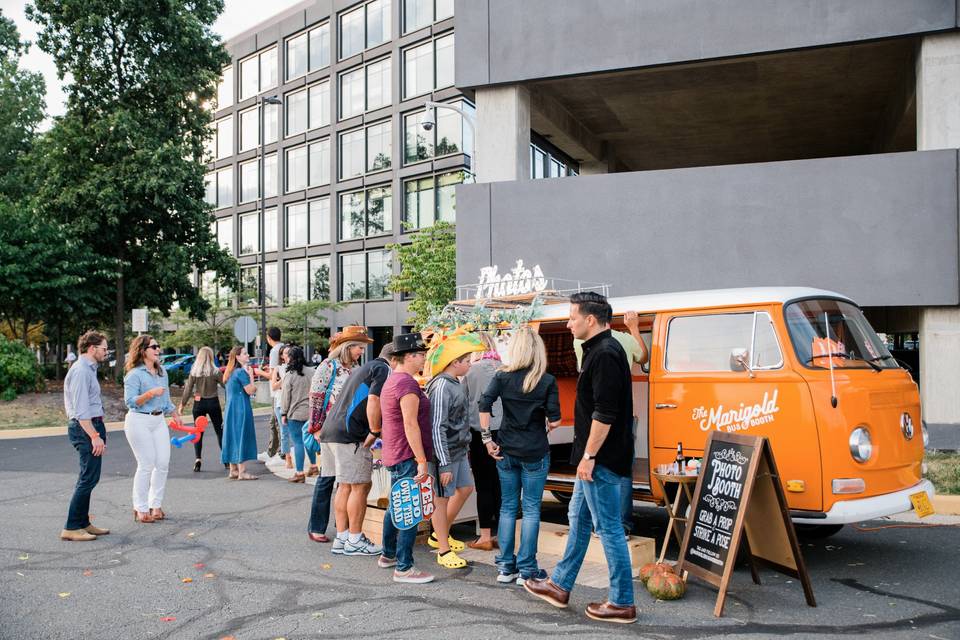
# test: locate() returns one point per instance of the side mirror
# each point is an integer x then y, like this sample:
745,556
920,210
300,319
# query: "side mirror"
740,361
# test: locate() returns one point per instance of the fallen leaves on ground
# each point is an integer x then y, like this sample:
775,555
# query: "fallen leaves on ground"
87,573
199,565
325,566
24,556
168,619
209,575
65,594
186,580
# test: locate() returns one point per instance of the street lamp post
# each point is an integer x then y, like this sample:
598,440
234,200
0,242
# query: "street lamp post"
431,122
262,166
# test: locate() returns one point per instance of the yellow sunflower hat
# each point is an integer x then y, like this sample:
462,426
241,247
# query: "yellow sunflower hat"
445,347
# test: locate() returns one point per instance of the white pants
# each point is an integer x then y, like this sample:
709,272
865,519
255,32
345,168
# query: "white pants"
149,437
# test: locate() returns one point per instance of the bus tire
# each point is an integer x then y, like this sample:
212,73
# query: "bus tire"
816,531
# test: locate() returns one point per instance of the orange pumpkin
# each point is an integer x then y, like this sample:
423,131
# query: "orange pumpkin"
666,586
648,570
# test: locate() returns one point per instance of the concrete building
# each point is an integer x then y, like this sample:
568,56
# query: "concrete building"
726,144
348,168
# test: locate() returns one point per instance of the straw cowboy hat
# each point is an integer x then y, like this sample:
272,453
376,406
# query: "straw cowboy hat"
447,347
353,333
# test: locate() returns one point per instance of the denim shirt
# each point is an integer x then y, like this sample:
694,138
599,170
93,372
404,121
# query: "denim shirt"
137,382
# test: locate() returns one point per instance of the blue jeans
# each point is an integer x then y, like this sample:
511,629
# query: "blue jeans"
320,507
398,543
78,514
518,476
285,443
597,502
295,430
626,504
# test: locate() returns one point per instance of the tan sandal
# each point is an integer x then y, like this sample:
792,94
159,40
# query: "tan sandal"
247,476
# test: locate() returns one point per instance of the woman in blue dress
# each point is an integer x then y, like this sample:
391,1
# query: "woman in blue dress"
239,437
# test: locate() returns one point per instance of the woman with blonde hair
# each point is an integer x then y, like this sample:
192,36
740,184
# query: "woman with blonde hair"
485,476
201,387
146,392
346,349
531,407
239,436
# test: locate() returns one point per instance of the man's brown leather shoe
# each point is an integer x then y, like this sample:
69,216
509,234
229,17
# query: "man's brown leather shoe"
546,590
76,535
97,531
317,537
606,612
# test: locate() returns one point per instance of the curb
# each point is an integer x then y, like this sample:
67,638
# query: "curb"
44,432
946,505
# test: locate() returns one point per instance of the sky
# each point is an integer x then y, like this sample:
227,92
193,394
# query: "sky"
237,16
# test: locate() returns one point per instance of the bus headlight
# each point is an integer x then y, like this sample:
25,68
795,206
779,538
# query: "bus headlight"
861,448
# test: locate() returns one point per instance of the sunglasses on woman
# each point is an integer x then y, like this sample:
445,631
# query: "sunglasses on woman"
153,346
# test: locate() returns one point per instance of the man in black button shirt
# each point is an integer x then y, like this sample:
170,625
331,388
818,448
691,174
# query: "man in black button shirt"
603,453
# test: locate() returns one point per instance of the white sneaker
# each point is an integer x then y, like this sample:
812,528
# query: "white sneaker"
412,576
385,563
506,578
263,456
363,547
337,547
539,575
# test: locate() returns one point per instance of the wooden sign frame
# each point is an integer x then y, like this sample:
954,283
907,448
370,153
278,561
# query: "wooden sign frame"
762,522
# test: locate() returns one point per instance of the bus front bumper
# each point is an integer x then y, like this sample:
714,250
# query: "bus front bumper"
860,509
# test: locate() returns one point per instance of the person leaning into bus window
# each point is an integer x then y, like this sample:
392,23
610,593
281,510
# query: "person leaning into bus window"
603,452
531,405
201,387
146,392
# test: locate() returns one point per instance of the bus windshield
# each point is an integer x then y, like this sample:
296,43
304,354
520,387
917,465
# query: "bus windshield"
832,330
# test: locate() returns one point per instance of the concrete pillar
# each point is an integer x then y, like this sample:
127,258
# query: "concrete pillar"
503,133
938,127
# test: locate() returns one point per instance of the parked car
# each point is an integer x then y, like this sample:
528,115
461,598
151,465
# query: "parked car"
179,362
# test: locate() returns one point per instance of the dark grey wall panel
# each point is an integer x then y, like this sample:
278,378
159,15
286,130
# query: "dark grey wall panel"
546,38
880,228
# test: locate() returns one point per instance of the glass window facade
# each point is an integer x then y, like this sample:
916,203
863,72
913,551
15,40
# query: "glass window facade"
365,276
379,80
258,73
319,43
271,284
224,137
296,169
428,66
319,221
249,233
319,104
379,146
320,278
272,176
271,229
364,27
249,181
225,233
319,162
417,14
271,123
296,110
249,129
378,22
444,62
450,134
225,187
433,198
366,213
351,154
225,88
351,93
296,227
297,56
298,281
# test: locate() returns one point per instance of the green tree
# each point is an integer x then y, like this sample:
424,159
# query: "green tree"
123,168
305,320
215,330
428,270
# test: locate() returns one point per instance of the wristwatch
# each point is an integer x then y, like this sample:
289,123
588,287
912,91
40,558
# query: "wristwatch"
589,456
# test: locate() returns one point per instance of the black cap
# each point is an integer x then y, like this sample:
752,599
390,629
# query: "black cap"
408,343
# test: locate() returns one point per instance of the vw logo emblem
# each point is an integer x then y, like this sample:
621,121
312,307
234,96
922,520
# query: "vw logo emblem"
906,425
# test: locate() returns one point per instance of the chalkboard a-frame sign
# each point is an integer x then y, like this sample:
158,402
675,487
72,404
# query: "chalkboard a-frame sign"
739,500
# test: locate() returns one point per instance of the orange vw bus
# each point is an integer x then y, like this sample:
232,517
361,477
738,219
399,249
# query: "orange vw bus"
800,366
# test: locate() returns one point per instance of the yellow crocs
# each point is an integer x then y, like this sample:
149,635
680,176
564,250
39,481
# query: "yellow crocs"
451,560
455,545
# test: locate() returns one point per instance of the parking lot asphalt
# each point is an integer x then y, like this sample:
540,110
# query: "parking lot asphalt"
233,560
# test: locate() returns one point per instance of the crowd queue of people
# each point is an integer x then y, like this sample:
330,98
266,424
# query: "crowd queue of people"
480,424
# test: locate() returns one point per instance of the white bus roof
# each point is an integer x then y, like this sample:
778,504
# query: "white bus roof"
654,302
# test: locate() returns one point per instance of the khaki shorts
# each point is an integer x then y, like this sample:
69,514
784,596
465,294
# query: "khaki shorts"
353,464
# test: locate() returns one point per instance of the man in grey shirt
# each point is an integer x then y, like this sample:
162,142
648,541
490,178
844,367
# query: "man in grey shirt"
278,440
84,407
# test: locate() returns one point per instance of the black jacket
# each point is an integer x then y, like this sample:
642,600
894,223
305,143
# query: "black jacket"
605,394
523,428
